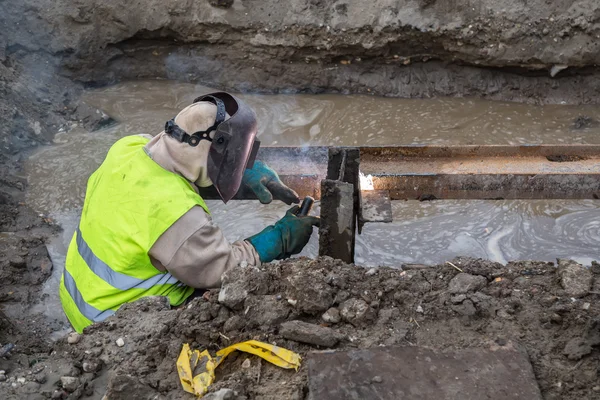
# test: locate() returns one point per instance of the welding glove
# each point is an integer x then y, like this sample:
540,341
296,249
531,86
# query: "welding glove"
265,183
287,237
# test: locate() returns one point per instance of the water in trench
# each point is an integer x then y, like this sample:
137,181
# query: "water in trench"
426,232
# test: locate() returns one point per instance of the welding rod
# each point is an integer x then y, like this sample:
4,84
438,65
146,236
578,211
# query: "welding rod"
306,206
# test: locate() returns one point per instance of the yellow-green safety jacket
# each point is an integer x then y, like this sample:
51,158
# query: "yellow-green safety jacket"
129,203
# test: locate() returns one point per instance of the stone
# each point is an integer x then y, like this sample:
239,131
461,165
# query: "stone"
414,372
357,312
575,279
246,364
266,311
459,298
304,332
121,387
40,378
120,342
69,383
90,366
465,308
235,323
310,291
576,348
465,283
21,380
332,316
2,378
59,394
73,338
221,394
31,387
233,295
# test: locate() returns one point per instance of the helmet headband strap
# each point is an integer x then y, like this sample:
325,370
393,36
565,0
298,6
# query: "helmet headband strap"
173,130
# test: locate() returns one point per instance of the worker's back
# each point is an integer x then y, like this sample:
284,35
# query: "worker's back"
130,202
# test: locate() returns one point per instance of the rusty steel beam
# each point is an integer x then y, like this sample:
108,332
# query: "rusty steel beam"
451,172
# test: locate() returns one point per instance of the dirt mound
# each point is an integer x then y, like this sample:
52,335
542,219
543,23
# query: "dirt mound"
305,305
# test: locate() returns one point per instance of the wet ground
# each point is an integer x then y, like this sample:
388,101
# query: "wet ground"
423,232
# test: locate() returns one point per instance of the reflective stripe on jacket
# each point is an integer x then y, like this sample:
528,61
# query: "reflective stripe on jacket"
129,203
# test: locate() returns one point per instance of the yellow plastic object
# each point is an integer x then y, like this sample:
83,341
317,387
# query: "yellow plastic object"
197,369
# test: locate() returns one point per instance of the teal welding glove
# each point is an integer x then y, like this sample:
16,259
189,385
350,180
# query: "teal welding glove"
265,183
287,237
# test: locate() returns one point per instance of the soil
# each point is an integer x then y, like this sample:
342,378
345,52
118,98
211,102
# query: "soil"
530,303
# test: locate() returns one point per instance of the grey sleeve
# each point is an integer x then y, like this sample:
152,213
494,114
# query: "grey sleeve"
195,251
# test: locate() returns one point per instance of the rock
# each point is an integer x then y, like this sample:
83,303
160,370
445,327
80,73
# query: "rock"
465,283
233,296
2,378
304,332
310,291
377,379
357,312
466,308
37,368
595,267
576,348
222,394
420,310
73,338
126,387
235,323
371,272
91,366
221,3
575,279
341,297
21,380
332,316
59,394
31,387
386,315
40,378
69,383
120,342
459,298
266,311
246,364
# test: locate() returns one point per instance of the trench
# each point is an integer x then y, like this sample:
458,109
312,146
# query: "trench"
422,232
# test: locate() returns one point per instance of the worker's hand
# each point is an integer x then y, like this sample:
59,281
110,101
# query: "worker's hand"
265,183
287,237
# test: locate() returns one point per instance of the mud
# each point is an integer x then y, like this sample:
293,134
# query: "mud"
527,303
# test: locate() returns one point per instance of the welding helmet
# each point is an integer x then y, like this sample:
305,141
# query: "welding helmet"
233,146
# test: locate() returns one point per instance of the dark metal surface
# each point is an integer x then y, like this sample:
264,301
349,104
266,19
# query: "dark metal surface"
414,373
340,204
338,220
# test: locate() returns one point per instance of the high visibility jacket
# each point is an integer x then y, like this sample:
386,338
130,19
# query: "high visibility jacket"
129,203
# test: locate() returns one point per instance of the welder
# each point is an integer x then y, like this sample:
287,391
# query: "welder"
146,231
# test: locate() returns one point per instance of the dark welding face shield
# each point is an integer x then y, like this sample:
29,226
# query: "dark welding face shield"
233,146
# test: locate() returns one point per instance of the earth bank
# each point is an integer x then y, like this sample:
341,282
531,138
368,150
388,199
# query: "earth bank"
550,312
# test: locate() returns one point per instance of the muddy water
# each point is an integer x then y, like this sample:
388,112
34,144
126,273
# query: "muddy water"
358,119
422,232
